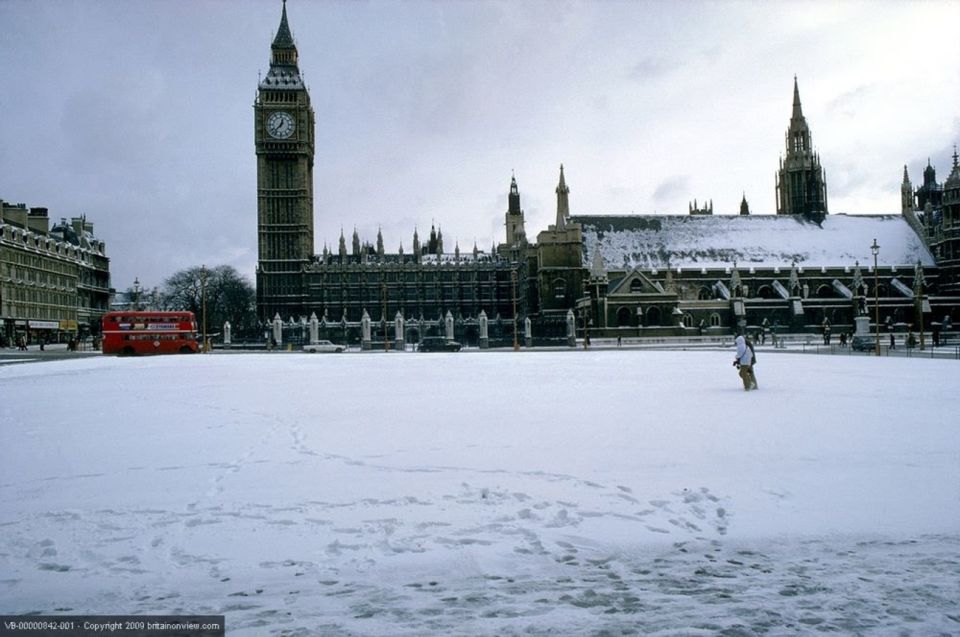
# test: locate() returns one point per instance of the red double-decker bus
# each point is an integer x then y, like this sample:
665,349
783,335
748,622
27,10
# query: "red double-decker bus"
129,333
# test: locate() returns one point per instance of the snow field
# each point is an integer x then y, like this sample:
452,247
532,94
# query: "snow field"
486,493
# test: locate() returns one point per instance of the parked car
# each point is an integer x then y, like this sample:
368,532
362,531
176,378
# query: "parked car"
861,343
438,344
323,347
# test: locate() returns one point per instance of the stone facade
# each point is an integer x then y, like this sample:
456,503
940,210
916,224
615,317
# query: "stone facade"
284,137
934,211
55,281
801,185
605,275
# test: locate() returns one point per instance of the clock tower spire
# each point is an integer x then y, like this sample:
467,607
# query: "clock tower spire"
284,140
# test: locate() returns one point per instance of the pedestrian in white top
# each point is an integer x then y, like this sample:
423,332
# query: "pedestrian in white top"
744,362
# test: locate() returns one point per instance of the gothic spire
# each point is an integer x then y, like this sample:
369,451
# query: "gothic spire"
798,135
797,108
801,182
514,197
906,193
284,72
563,202
283,39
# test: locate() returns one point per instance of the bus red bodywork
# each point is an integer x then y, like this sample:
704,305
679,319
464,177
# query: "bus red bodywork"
128,333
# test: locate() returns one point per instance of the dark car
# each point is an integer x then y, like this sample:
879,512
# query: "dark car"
438,344
861,343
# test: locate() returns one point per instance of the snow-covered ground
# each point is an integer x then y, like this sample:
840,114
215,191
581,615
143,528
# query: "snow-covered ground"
573,493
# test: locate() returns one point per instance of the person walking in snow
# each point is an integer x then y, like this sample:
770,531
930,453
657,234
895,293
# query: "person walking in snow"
744,362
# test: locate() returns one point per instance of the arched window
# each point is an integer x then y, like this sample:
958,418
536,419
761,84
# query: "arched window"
653,316
559,289
704,294
714,320
636,286
687,320
824,292
624,317
765,292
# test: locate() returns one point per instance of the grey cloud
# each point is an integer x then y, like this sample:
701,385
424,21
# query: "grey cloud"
651,68
846,103
671,188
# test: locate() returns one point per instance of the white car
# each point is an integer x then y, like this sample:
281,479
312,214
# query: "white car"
322,347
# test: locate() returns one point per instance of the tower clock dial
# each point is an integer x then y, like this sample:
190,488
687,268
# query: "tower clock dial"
280,124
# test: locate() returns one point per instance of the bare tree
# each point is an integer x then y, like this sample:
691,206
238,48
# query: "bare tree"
229,297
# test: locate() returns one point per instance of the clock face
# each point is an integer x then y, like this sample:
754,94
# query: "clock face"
280,125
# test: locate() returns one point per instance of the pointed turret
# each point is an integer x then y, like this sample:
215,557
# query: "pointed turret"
283,39
356,243
598,271
801,184
929,175
513,199
516,232
906,193
953,181
798,135
744,206
416,244
563,202
343,247
379,243
284,72
439,240
797,108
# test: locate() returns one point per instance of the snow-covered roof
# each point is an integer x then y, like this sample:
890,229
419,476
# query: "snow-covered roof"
282,76
712,241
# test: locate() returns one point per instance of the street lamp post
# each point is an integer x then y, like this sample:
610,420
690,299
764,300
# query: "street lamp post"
875,249
203,304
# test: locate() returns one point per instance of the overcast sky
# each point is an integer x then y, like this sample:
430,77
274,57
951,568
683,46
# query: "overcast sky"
139,113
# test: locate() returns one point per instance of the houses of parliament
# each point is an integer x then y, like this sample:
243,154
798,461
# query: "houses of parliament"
610,275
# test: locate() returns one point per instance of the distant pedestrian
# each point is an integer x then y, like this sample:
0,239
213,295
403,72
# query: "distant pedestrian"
744,362
893,341
619,341
22,344
843,339
936,336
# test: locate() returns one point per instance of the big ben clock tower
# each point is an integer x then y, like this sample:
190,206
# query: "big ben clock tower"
283,129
